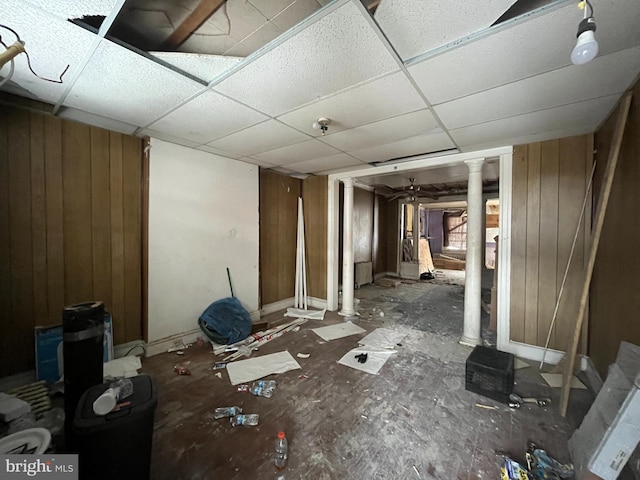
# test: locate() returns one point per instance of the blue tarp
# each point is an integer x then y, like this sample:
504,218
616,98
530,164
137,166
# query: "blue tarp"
225,321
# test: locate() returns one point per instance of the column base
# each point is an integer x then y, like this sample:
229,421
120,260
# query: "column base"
349,315
470,342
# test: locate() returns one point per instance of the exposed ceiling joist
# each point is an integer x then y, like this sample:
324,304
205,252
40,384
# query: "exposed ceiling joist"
203,11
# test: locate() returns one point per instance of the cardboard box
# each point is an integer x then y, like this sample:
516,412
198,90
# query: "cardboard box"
49,358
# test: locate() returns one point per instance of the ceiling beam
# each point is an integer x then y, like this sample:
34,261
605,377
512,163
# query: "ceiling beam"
203,12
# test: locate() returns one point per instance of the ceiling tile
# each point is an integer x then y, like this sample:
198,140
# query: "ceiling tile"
207,117
203,66
257,39
603,76
361,105
416,26
167,137
296,153
419,145
383,131
254,161
74,9
125,86
96,120
259,138
52,44
325,164
575,115
270,8
337,51
539,45
244,19
295,13
207,148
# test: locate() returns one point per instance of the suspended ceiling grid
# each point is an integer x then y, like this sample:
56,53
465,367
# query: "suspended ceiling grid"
418,77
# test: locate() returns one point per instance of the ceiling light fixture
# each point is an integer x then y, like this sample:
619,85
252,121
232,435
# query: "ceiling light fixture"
586,47
323,124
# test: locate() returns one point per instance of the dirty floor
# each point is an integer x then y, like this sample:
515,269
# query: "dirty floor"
414,420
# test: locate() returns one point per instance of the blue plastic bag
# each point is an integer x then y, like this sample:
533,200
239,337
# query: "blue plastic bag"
225,321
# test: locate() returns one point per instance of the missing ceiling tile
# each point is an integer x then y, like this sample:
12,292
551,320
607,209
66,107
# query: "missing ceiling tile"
521,7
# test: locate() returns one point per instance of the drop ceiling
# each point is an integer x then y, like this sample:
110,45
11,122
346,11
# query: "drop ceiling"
415,77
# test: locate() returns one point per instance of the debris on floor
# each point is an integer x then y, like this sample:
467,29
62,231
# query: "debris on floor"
259,339
375,359
224,412
383,338
555,380
309,314
388,282
249,420
255,368
339,330
182,369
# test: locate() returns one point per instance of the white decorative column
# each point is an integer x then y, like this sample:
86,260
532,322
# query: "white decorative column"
347,251
473,276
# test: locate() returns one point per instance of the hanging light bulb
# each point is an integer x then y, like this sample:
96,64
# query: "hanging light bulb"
586,47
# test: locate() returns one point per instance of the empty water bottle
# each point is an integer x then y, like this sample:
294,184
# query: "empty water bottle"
263,388
248,420
282,452
222,412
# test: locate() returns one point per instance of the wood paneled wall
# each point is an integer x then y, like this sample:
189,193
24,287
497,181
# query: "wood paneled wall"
393,227
278,226
70,227
614,299
381,227
315,192
549,183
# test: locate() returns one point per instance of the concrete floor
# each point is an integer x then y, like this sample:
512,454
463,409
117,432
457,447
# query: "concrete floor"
413,420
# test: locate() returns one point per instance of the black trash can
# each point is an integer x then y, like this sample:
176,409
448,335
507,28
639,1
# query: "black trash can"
82,341
117,445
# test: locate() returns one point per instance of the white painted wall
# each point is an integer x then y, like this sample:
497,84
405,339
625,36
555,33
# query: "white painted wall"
203,218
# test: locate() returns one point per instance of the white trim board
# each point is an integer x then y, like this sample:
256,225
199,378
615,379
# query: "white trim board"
163,344
289,302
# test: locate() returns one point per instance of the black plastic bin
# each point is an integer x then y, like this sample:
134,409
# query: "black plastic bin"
82,340
117,445
489,372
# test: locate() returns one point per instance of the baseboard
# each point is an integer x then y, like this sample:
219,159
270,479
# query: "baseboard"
535,353
288,302
138,347
163,344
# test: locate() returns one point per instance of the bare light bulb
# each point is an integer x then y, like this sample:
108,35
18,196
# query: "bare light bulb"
586,47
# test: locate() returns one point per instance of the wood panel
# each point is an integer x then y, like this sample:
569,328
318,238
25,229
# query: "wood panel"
55,219
56,237
362,225
314,197
78,274
132,221
380,235
21,292
518,243
614,303
549,182
392,236
278,226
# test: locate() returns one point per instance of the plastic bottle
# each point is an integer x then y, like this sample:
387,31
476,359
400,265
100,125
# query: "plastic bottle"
263,388
282,452
222,412
117,391
248,420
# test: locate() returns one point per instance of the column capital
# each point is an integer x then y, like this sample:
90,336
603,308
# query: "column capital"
348,182
475,164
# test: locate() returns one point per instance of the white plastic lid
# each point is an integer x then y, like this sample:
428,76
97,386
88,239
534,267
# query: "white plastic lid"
105,402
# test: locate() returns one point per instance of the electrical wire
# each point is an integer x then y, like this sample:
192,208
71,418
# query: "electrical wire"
12,68
59,80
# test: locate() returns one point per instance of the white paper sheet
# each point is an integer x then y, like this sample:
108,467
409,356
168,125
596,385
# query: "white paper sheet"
376,358
338,330
122,367
382,338
301,313
244,371
555,380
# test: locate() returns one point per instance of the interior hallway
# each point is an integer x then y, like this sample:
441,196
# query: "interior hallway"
413,420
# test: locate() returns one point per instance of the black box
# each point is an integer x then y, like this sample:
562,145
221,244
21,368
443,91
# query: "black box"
489,372
116,445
